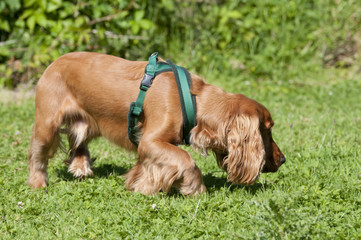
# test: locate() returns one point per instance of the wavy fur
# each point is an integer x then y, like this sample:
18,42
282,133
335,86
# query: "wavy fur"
87,95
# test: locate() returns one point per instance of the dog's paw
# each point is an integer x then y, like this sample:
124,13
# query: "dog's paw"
193,190
38,180
80,167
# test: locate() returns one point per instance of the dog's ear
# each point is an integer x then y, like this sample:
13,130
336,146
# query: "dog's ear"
246,153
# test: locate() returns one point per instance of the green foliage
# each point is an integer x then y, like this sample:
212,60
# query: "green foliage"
256,38
314,195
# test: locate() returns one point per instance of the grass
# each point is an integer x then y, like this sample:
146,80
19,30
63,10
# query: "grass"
315,195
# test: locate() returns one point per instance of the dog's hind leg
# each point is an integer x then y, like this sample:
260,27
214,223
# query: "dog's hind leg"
79,160
44,143
51,102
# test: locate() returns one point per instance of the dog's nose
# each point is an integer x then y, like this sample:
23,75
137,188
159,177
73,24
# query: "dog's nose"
282,160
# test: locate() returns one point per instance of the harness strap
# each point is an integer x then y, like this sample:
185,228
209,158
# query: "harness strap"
188,101
136,108
186,98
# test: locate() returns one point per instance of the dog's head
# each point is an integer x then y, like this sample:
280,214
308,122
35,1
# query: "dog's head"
240,137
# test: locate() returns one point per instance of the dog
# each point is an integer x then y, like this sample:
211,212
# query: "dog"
87,95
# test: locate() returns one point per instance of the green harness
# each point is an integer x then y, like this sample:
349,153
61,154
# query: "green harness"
188,101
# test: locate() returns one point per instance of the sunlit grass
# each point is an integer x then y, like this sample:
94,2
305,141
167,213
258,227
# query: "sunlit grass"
315,195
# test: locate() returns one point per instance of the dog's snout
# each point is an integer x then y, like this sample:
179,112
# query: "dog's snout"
282,160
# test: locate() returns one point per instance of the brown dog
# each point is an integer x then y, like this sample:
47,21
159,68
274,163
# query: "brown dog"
90,94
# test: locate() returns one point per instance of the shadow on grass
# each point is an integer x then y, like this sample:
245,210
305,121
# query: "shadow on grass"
102,171
213,183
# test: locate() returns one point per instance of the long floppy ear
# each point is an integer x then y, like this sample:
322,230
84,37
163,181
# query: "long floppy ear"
246,154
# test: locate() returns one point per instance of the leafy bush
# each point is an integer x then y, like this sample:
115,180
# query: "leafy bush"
249,37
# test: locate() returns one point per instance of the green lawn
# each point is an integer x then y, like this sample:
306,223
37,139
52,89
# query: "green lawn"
316,194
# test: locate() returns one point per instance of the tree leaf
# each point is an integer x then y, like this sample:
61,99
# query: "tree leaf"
146,24
30,22
234,14
51,7
26,14
28,3
4,25
13,4
41,19
138,15
135,27
43,4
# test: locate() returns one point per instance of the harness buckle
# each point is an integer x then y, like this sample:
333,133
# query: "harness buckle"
146,82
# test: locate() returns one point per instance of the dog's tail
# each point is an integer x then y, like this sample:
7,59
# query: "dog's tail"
79,132
78,127
77,124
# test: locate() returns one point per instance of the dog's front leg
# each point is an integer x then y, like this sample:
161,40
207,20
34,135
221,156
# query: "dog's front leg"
161,166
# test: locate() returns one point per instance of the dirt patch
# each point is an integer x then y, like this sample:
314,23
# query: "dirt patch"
20,93
344,53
